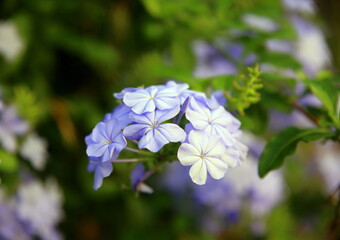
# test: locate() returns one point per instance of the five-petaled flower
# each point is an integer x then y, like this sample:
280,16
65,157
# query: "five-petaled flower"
148,99
106,140
204,153
214,122
100,169
152,134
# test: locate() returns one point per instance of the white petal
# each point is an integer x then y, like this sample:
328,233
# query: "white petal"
164,115
196,138
188,154
198,173
219,116
214,147
172,132
166,102
143,106
198,120
132,98
230,159
216,167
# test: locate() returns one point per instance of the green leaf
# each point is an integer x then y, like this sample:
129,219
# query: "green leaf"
8,161
153,7
328,93
284,144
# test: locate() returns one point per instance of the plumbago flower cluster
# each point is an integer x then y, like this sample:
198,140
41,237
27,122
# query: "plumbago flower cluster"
153,117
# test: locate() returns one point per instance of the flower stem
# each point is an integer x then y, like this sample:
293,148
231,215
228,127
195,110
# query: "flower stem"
307,114
128,160
139,151
132,149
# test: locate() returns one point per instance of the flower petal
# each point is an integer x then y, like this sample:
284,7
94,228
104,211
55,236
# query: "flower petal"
219,116
132,98
172,132
135,131
216,167
96,149
198,120
99,132
188,154
143,106
198,173
164,115
153,140
166,102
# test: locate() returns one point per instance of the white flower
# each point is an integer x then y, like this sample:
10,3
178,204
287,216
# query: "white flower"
10,41
259,22
203,152
40,206
34,150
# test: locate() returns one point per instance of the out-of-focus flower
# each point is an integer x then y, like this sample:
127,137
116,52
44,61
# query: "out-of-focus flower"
327,158
101,169
152,134
305,6
215,62
210,62
279,120
311,48
40,208
107,140
34,149
10,226
11,43
11,126
137,181
278,45
261,23
285,72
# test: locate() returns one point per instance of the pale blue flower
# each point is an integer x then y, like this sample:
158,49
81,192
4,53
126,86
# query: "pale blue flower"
204,153
197,96
10,226
152,134
39,206
121,113
125,90
217,99
100,169
214,122
137,177
179,86
106,140
151,98
11,126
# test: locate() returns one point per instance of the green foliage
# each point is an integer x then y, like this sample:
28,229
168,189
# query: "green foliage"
244,92
284,144
28,105
8,161
328,92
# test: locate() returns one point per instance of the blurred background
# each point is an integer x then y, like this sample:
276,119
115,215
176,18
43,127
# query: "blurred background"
62,60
